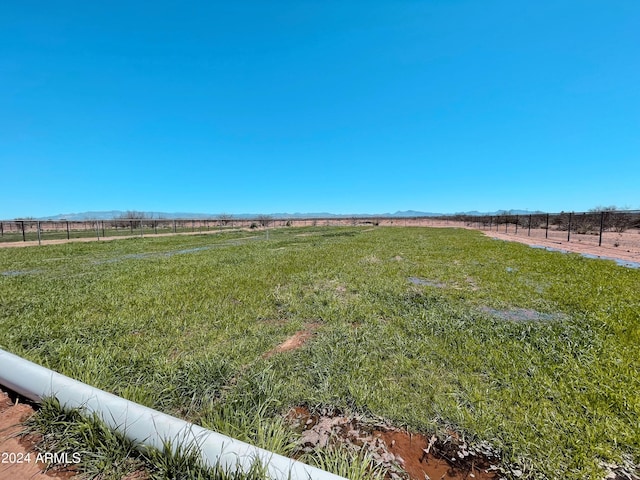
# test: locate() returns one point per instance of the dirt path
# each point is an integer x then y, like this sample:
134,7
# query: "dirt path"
631,255
627,251
32,243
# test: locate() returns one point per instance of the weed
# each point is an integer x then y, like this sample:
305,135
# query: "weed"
344,462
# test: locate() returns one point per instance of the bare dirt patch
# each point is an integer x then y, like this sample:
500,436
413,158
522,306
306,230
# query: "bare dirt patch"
404,455
18,457
295,341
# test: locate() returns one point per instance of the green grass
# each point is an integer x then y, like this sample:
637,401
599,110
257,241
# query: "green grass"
185,332
103,454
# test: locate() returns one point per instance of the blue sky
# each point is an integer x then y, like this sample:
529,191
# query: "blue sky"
319,106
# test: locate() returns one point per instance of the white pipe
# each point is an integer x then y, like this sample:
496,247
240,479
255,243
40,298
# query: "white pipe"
146,426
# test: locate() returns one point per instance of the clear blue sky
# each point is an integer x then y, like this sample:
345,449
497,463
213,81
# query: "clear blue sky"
318,106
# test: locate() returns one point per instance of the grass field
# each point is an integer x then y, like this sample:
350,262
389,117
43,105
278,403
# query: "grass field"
535,352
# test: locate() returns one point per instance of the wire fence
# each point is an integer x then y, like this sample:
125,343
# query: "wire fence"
30,230
620,229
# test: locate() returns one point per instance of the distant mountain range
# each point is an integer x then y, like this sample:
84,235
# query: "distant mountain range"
109,215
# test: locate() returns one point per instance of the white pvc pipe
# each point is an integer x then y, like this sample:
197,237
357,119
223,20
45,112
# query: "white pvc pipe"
146,426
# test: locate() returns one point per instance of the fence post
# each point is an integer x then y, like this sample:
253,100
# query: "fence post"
97,230
517,218
103,234
174,226
569,229
529,234
38,226
546,229
24,238
601,227
131,226
1,230
155,227
68,234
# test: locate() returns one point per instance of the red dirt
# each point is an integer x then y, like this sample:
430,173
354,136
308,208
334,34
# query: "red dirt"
295,341
413,448
405,455
14,447
17,454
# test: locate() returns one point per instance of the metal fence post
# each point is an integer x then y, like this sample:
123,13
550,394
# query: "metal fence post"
97,230
529,234
24,238
68,233
546,229
103,234
569,229
1,230
131,226
517,219
601,226
38,227
141,228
